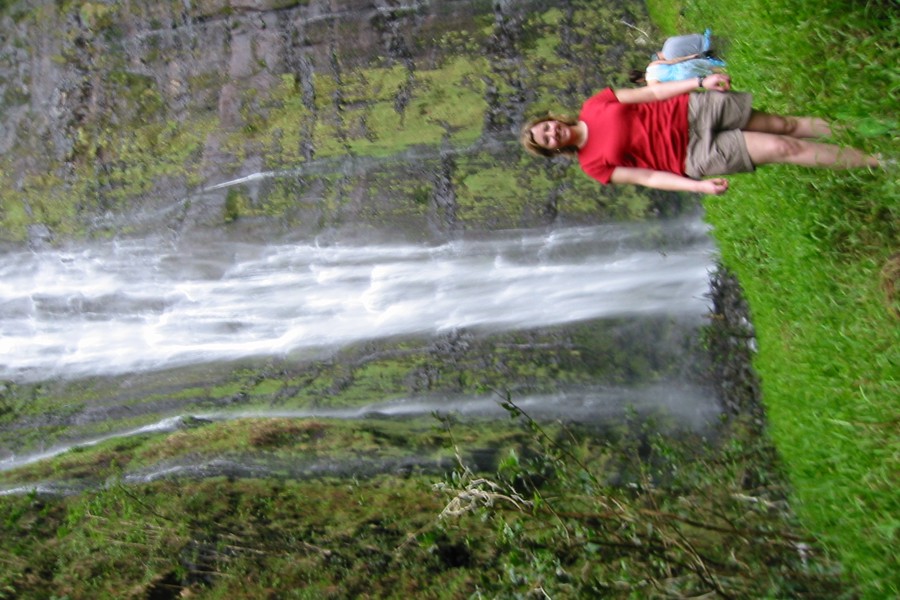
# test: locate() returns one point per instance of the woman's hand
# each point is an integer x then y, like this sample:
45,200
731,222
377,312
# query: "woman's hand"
713,187
663,180
719,82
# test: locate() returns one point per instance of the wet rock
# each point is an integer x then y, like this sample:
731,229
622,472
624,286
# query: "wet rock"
732,344
40,236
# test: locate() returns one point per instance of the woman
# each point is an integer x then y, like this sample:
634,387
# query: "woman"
668,138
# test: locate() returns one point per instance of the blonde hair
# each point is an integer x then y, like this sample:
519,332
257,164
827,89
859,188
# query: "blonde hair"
532,147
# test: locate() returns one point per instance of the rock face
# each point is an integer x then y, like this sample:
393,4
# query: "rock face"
122,117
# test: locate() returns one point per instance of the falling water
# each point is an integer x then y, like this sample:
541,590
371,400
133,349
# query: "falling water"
142,305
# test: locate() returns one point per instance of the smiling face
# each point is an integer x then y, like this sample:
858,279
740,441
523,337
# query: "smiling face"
552,134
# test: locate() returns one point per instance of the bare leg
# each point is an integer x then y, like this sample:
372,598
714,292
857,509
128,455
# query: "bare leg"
796,127
767,148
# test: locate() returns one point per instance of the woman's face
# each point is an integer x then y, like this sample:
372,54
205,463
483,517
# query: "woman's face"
552,134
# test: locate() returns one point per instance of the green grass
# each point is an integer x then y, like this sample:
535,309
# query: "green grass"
666,16
809,248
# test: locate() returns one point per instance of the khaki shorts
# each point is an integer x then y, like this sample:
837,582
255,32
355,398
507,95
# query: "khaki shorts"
716,144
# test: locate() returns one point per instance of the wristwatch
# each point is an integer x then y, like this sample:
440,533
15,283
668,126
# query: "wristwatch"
700,82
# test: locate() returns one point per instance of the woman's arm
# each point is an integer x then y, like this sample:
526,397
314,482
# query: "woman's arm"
675,61
663,180
719,82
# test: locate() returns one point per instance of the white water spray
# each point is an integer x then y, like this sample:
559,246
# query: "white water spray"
131,306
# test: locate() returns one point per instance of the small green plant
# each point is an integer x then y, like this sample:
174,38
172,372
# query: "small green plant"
236,204
684,523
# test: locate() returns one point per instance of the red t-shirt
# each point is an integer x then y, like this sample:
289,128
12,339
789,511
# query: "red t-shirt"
653,135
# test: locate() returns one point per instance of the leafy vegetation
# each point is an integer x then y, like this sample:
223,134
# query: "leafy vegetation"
564,511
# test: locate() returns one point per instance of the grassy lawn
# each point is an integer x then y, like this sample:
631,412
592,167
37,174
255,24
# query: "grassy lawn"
813,251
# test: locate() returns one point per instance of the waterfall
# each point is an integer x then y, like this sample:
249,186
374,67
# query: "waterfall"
139,305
